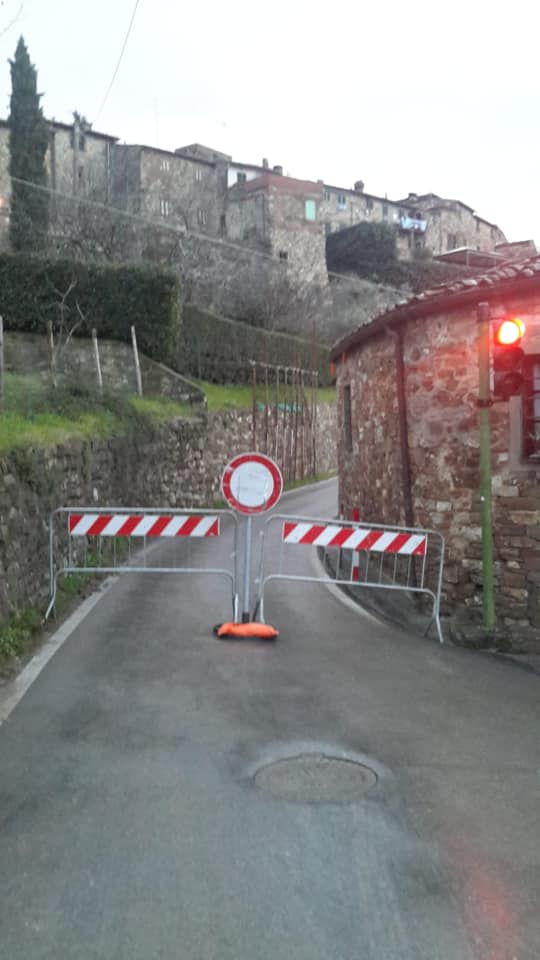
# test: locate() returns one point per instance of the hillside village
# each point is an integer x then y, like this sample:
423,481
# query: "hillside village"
204,192
247,242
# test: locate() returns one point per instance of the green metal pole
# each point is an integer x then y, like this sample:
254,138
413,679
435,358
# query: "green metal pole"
484,403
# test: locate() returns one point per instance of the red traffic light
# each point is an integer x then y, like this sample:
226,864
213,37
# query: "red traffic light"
509,332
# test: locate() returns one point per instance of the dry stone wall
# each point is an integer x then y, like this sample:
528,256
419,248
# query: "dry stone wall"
176,465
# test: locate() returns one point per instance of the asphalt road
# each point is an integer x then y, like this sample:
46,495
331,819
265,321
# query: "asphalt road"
131,827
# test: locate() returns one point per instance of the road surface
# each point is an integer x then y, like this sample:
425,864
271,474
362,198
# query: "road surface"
131,826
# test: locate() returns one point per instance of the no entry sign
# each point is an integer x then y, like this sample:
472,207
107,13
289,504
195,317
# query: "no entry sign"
252,483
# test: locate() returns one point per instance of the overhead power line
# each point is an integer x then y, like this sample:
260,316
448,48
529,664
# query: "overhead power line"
116,69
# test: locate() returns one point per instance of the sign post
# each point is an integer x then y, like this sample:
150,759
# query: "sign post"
251,483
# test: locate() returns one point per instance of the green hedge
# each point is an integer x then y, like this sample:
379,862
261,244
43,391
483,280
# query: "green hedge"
111,299
219,350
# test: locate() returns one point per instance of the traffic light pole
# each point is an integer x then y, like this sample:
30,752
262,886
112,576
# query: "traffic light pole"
484,404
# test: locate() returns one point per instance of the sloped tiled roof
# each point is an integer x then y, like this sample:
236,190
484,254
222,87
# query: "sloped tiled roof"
523,275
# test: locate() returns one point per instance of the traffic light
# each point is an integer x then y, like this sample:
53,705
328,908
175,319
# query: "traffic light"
508,358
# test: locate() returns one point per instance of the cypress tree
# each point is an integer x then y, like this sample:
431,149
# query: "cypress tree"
28,142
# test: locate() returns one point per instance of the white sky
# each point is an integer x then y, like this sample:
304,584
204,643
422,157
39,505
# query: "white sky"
407,95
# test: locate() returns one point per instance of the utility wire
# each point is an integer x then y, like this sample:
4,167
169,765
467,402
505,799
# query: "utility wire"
12,22
181,231
124,45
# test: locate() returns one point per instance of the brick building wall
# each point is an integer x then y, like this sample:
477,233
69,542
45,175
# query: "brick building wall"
441,374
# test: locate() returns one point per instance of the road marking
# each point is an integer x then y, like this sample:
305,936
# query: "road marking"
14,691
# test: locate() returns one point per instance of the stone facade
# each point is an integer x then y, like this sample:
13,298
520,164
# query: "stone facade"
282,215
77,166
440,352
342,208
451,224
177,465
170,188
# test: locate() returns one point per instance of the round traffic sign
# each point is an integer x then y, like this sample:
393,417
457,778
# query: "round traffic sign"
252,483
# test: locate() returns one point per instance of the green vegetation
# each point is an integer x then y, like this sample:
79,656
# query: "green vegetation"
218,350
34,414
110,299
219,397
293,484
17,634
28,140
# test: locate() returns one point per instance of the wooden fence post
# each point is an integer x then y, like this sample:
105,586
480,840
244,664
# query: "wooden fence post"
98,364
137,364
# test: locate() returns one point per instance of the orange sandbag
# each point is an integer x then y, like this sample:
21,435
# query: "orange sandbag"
260,631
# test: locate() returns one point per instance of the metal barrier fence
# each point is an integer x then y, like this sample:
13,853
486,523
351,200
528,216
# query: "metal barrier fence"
116,540
363,555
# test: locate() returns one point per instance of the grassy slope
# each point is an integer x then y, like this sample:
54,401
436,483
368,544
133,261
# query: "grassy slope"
220,397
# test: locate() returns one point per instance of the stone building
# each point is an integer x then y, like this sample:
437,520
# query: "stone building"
281,215
79,163
451,224
342,208
173,188
410,456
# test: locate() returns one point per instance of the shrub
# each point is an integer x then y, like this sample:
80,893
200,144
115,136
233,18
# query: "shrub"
219,350
110,298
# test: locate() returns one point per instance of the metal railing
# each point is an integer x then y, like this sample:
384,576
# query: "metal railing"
116,540
362,555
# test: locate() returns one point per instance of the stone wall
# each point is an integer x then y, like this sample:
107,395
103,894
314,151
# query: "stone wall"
26,353
441,368
177,465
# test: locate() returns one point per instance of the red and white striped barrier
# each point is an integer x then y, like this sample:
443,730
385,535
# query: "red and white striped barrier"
142,525
354,538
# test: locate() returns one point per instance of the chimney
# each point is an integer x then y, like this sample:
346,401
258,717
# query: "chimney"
265,163
359,186
279,170
412,196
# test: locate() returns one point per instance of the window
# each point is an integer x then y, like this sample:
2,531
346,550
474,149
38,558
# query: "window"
327,229
223,224
385,211
201,217
327,195
165,164
347,418
369,204
451,241
341,201
241,177
164,207
283,255
531,407
198,173
310,207
82,141
478,226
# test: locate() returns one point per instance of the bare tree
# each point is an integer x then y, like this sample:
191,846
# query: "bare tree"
60,330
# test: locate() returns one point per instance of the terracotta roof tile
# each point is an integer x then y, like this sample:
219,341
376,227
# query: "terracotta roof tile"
505,273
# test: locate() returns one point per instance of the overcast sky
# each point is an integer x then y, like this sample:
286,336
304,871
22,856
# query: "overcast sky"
407,96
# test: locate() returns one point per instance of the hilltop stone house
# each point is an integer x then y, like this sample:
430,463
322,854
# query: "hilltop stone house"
282,215
451,224
79,163
407,385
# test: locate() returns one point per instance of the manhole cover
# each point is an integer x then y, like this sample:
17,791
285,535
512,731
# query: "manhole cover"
315,778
